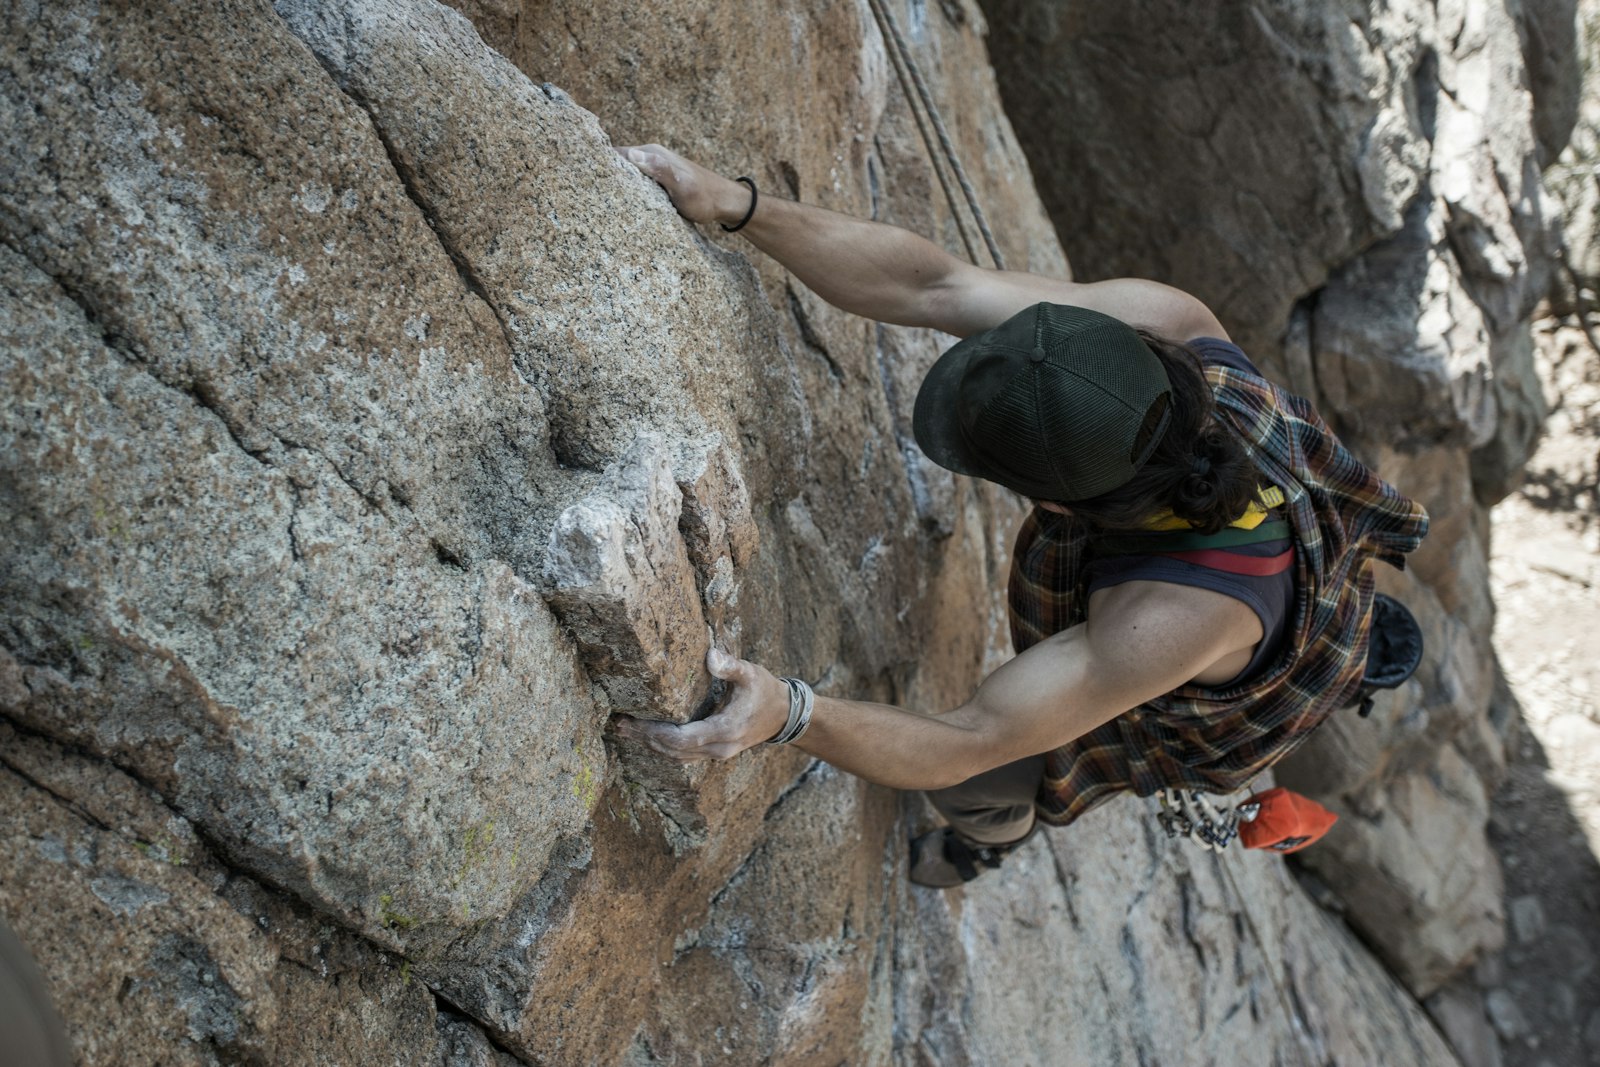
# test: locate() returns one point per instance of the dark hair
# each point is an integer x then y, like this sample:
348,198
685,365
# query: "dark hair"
1199,470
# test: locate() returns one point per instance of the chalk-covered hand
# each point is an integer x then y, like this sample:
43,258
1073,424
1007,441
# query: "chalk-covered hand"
756,709
700,195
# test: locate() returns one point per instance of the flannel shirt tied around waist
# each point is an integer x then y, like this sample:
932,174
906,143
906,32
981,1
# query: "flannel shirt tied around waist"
1342,517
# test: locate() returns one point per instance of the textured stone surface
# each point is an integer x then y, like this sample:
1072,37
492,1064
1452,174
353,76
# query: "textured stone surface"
262,540
1171,956
1432,903
1459,1011
371,433
622,584
301,375
1556,70
1575,176
156,954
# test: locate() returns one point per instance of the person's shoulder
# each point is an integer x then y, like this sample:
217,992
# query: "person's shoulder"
1214,351
1141,618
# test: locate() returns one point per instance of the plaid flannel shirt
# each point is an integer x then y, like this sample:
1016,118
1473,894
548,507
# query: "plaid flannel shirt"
1343,516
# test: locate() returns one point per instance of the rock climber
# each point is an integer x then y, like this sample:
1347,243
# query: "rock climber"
1190,595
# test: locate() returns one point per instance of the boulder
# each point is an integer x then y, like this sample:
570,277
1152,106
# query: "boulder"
372,433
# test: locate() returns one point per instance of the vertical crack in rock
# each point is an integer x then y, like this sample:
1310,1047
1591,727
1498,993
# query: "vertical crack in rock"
1300,1020
932,500
1186,905
91,314
70,803
773,810
211,1007
1140,1007
809,335
886,379
727,887
874,178
815,768
296,552
452,1015
197,391
670,790
372,500
204,394
1065,881
407,177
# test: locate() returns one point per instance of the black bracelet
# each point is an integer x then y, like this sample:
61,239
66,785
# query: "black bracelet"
751,182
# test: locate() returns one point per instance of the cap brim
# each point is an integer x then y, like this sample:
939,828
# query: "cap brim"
935,418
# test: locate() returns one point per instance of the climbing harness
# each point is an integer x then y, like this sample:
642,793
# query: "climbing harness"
1280,819
1187,813
915,89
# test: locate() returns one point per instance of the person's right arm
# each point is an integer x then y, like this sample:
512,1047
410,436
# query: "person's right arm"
1142,639
892,275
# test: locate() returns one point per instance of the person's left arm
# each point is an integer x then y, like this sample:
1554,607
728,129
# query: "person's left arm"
1140,643
893,275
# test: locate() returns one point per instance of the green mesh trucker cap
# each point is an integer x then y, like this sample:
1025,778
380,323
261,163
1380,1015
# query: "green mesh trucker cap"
1048,403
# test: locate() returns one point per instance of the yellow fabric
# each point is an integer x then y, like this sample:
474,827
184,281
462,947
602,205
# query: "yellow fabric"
1267,498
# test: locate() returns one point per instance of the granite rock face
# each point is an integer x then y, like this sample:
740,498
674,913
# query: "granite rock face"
158,954
1357,190
371,433
1575,175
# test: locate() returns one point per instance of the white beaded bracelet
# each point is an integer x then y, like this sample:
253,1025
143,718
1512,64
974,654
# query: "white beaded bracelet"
802,701
795,704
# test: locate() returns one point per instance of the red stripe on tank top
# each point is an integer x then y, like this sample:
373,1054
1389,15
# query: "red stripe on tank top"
1218,560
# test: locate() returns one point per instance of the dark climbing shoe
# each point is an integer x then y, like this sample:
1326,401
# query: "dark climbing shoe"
942,860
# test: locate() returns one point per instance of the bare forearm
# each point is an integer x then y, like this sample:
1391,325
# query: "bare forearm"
866,268
892,275
883,744
892,746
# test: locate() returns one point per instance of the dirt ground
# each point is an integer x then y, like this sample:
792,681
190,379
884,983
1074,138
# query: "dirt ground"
1543,992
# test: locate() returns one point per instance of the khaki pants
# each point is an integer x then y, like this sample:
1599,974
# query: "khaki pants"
995,807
